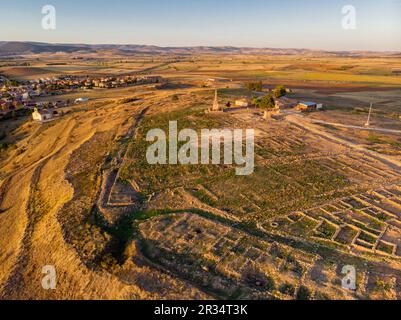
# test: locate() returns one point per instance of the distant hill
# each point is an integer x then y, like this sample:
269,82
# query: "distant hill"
18,48
23,48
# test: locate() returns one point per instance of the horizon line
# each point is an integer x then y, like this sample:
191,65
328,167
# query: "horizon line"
201,46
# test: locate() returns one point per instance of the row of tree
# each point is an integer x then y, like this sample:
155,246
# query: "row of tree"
267,102
257,86
254,86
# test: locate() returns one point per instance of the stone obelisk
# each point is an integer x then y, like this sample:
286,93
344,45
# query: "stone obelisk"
216,106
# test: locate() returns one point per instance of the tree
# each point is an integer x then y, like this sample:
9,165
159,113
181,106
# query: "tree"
254,86
279,91
267,102
255,101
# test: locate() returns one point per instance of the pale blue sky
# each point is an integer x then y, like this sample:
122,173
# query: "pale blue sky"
256,23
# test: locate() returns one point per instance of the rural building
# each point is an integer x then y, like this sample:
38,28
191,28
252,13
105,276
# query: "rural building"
242,103
308,106
79,100
42,115
26,96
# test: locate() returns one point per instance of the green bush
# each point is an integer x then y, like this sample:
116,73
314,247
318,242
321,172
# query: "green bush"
279,91
287,288
267,102
3,146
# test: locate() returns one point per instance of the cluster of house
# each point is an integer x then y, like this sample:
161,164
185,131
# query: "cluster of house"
22,94
14,97
25,103
25,94
45,112
115,82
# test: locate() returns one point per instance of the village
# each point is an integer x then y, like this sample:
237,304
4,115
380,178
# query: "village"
22,97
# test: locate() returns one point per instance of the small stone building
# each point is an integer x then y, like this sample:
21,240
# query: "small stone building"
242,103
42,115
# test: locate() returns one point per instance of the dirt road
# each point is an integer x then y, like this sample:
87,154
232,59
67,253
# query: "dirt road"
357,127
309,124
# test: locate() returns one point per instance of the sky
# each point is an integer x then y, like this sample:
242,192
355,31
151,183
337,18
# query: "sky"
312,24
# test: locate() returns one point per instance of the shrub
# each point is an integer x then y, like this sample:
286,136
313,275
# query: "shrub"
3,146
279,91
304,293
288,289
